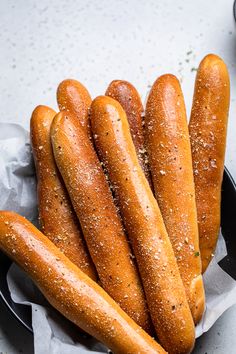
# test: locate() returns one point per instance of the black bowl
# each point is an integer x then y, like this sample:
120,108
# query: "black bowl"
21,312
234,10
228,264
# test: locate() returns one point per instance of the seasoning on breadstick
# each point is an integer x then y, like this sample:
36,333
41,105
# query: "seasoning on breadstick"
169,151
57,217
72,96
208,128
159,272
127,95
70,290
101,225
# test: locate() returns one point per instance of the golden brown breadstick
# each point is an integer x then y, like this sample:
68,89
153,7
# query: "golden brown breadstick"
57,217
208,128
127,95
169,151
160,275
101,225
72,96
71,291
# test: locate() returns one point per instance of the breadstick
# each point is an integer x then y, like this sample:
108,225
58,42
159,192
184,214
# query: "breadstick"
208,128
127,95
72,96
169,151
101,225
159,272
57,217
70,290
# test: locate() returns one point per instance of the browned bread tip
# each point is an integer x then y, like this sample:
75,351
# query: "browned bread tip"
72,96
127,95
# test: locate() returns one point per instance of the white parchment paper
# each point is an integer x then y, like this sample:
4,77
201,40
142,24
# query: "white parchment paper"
52,332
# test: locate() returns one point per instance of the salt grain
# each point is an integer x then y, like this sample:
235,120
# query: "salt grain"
162,172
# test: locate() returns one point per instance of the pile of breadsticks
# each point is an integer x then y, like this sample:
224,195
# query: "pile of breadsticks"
129,207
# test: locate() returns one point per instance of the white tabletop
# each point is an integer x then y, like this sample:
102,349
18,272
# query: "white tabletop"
43,42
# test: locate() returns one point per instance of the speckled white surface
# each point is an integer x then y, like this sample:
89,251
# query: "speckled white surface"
43,42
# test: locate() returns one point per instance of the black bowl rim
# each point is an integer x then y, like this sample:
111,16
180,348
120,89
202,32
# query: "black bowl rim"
234,10
225,168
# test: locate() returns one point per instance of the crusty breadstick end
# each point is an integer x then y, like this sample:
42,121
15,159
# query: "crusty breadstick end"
72,96
127,95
